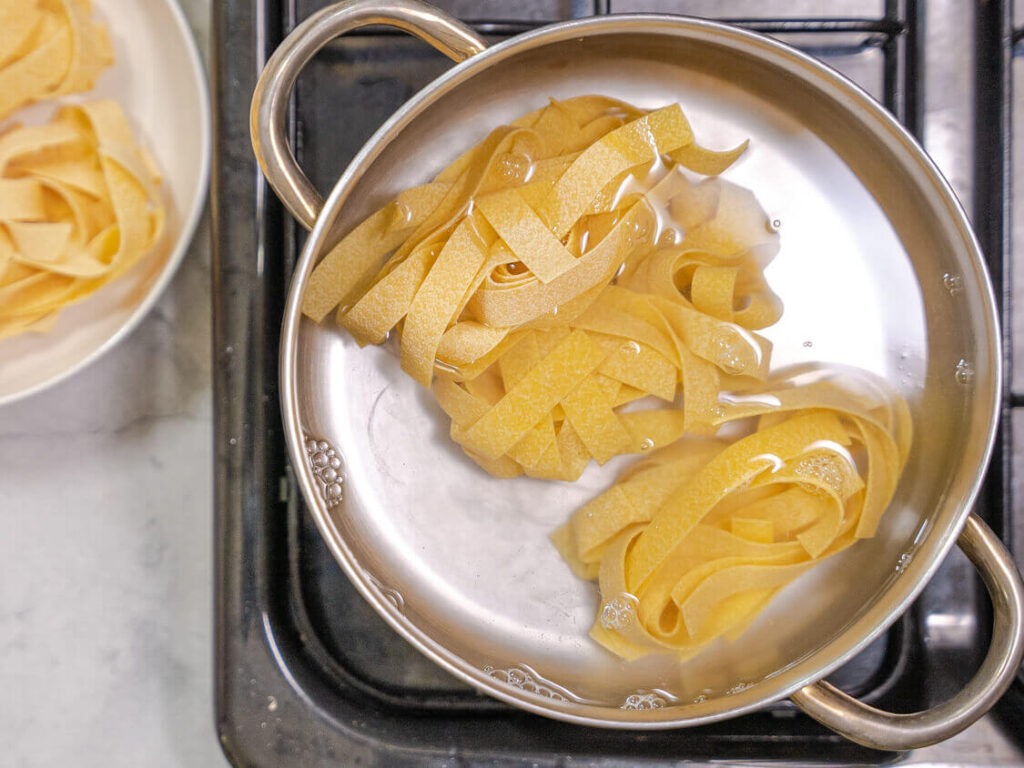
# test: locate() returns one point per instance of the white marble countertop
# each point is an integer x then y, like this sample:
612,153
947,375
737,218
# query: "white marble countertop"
106,579
106,584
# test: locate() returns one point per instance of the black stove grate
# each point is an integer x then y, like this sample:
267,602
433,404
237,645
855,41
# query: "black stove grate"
307,674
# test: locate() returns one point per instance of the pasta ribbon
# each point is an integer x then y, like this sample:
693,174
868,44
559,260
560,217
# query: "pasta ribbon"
577,224
581,285
48,48
698,537
79,205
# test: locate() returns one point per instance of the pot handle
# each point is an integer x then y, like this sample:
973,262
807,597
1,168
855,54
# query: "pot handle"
885,730
267,118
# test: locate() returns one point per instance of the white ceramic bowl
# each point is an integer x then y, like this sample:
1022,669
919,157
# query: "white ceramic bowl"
159,80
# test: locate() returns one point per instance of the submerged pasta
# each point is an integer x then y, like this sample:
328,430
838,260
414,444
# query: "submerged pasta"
79,205
692,543
575,263
560,270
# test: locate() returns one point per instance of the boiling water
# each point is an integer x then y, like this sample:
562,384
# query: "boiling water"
836,313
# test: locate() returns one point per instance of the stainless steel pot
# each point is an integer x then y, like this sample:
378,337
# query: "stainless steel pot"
879,269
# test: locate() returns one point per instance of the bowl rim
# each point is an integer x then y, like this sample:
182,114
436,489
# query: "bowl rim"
873,620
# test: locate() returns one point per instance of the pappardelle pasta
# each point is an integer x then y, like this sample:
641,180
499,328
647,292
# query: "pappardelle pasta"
79,205
581,285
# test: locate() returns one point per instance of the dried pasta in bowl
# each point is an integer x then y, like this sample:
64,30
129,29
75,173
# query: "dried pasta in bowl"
48,48
79,205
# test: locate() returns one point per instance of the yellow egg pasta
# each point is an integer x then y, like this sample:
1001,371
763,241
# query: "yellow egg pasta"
690,543
79,205
48,48
581,285
581,223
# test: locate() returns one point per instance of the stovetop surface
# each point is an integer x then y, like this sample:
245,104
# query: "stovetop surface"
308,674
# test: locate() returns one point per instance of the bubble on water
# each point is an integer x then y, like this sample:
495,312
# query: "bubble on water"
823,468
964,372
738,688
513,166
646,444
619,612
403,213
954,283
729,356
668,238
603,201
644,700
638,230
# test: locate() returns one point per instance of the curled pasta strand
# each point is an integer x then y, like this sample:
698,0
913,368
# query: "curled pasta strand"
701,534
549,229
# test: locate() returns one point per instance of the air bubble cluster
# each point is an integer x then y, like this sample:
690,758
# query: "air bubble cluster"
964,372
954,283
823,468
326,466
618,613
514,167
